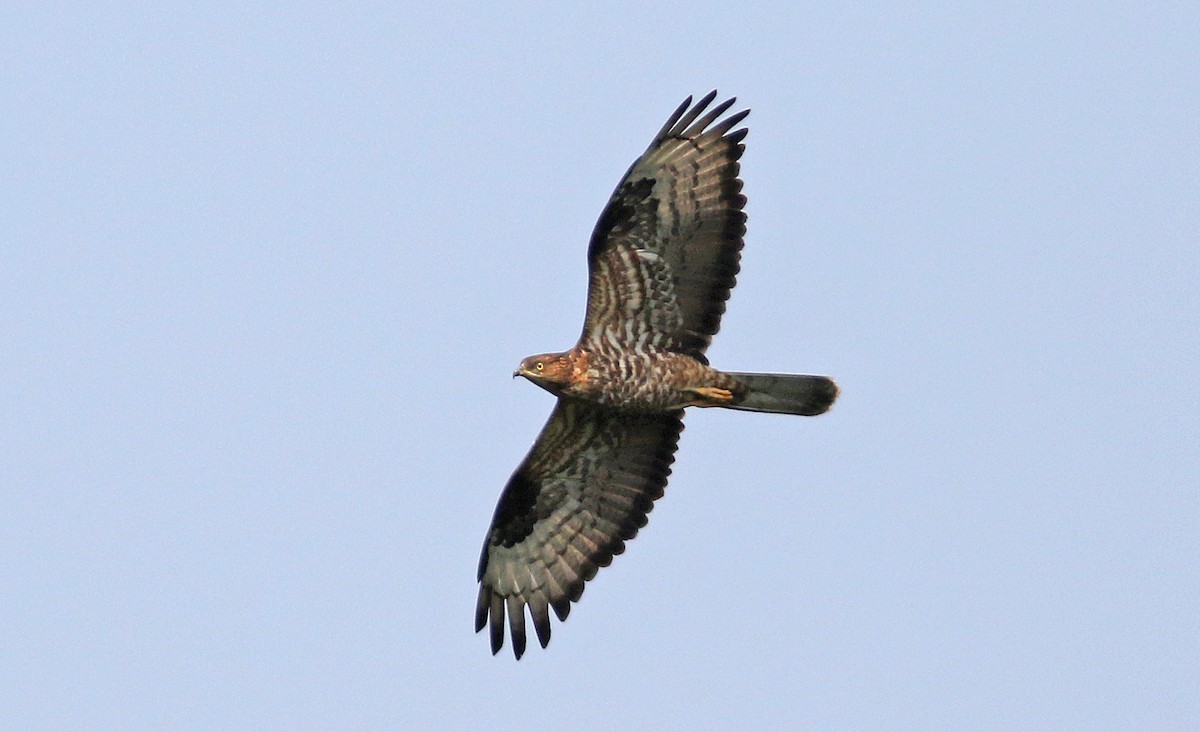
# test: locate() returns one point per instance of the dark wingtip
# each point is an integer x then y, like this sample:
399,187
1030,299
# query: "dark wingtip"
497,623
562,607
481,608
675,116
516,625
539,611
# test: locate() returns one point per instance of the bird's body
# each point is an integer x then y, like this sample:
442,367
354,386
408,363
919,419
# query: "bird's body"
654,380
661,262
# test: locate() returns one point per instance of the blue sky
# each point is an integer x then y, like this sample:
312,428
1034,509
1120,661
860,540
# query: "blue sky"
266,271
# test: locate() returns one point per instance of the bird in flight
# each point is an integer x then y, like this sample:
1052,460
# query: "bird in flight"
661,262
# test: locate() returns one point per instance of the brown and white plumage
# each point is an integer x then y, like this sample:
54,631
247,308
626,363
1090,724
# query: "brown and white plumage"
584,489
662,261
664,254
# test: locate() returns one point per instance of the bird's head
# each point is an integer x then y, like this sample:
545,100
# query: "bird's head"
551,371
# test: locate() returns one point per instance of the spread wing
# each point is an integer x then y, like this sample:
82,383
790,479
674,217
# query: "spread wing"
583,491
665,252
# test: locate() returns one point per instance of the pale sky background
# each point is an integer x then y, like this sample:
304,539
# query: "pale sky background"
265,272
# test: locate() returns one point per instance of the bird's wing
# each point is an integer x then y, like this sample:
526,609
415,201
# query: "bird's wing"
583,490
664,254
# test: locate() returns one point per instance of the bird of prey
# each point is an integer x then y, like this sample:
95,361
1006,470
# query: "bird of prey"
661,262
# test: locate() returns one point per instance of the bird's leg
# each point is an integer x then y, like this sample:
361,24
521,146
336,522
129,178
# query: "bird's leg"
711,396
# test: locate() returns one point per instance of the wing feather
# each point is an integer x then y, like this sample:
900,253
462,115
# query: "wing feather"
666,250
583,491
539,612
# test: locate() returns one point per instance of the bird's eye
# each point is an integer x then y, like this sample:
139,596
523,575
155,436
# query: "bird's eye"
540,366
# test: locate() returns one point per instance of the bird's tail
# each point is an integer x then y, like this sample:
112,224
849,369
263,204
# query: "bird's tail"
786,393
